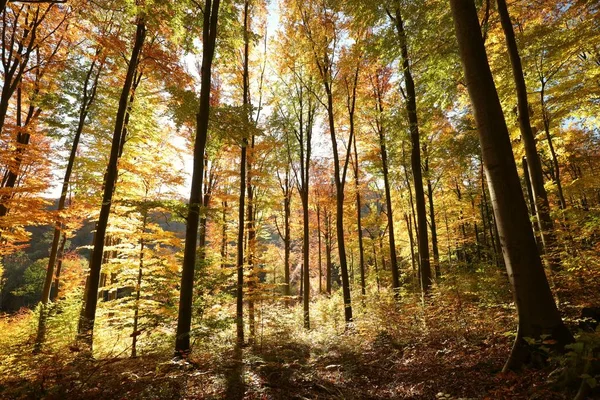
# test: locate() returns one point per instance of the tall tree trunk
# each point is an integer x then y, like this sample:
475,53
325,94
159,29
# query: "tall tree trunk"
243,161
555,170
138,289
287,210
534,166
55,291
328,254
411,242
184,318
224,235
319,244
88,98
388,194
411,108
340,180
537,311
305,248
432,224
351,105
251,248
89,312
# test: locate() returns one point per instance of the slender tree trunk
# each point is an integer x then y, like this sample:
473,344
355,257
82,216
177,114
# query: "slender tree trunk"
89,312
224,235
319,241
89,96
555,165
328,254
55,292
340,181
388,200
411,107
243,162
534,166
411,242
305,251
251,249
184,319
432,225
537,311
286,238
138,289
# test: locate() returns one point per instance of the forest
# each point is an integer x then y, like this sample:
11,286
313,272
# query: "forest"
300,199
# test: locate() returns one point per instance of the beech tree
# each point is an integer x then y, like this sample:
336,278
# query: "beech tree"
537,311
184,319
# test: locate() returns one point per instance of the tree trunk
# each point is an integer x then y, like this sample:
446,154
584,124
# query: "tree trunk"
319,241
432,225
89,97
534,166
251,249
243,161
286,239
184,318
537,311
89,312
388,198
340,180
411,108
555,170
55,291
138,289
328,254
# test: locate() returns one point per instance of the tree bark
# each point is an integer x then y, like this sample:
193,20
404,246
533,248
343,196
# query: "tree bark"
537,311
184,317
89,96
541,206
388,194
89,312
243,162
411,108
138,289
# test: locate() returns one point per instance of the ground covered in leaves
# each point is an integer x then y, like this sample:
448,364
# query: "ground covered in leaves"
454,347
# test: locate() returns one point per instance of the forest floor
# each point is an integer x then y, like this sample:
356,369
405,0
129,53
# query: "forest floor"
454,348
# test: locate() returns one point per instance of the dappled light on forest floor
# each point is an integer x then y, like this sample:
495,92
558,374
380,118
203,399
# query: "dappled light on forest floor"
454,348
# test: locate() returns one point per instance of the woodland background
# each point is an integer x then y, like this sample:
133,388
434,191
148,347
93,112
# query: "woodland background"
342,238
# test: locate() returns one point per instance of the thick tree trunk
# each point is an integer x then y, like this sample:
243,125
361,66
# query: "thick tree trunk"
89,312
411,108
541,205
537,311
184,318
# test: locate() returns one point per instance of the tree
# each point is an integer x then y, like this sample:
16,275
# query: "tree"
534,166
537,312
184,319
411,109
89,311
321,29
